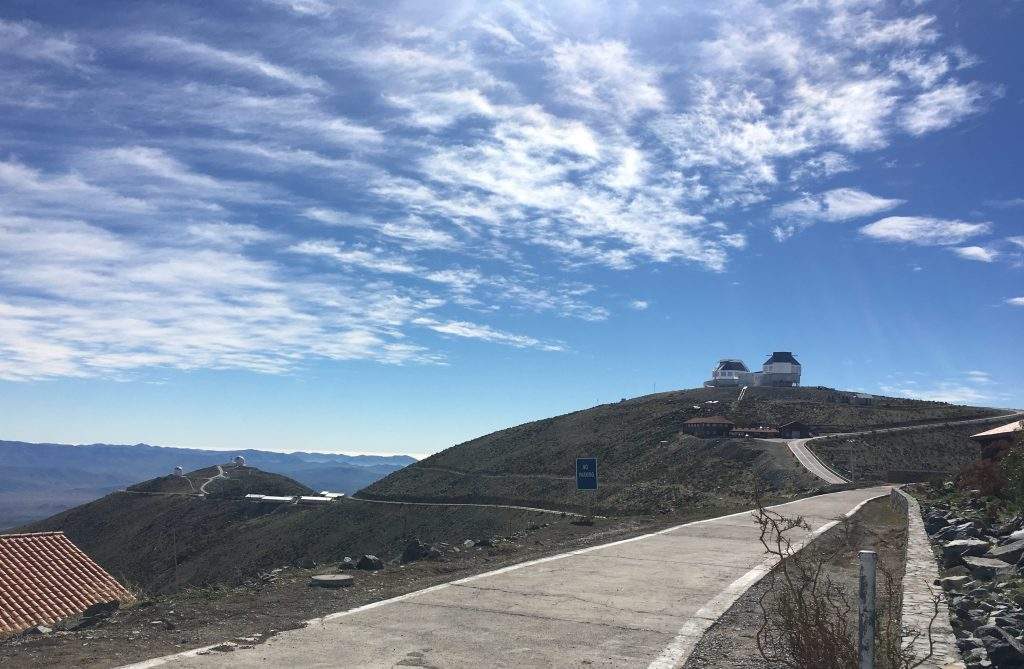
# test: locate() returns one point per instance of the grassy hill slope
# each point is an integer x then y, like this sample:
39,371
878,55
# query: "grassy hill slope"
645,464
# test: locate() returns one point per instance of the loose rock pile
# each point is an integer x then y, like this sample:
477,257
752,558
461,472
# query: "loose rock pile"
983,578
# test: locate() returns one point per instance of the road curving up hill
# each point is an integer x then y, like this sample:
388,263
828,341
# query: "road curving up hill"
645,463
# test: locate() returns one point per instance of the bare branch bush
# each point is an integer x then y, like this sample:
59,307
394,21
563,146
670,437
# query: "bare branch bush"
807,619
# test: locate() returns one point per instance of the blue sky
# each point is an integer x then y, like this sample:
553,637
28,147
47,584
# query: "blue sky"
307,224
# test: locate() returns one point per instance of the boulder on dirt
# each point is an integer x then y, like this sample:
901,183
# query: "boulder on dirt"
1010,552
934,521
331,581
417,550
348,563
370,563
952,551
986,569
102,609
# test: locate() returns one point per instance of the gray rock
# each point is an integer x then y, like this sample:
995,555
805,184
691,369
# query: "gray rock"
954,582
1004,650
952,551
348,563
986,569
1010,552
934,521
370,563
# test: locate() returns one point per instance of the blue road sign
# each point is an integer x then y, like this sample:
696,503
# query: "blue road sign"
586,473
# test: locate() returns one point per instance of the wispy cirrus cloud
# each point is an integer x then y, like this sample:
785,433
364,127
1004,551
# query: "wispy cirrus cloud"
839,204
175,48
344,182
976,253
924,231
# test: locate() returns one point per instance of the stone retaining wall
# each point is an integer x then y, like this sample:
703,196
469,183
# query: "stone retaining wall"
919,590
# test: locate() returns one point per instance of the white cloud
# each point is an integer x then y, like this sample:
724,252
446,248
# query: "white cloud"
924,231
83,301
945,391
639,305
176,48
604,76
839,204
822,166
28,41
978,253
941,107
1015,301
468,330
1017,241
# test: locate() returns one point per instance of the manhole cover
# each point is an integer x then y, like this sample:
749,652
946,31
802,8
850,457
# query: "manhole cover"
331,581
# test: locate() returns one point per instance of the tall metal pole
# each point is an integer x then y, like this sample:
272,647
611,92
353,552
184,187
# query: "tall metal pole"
868,563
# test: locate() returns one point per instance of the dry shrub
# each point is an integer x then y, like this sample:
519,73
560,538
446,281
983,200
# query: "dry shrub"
807,619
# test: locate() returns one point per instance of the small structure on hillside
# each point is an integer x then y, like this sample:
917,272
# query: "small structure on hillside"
780,370
999,438
239,461
44,578
759,432
315,499
794,430
332,495
178,471
708,426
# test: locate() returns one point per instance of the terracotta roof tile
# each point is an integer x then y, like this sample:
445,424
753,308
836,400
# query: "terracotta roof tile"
44,578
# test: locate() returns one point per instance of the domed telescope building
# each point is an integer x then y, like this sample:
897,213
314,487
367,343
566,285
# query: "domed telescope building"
781,370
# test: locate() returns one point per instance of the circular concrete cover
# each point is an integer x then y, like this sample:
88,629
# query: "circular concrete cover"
332,581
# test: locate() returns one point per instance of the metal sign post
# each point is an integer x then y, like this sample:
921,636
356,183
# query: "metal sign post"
868,561
586,478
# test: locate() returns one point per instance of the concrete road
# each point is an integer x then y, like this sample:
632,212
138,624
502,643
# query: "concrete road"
811,462
641,602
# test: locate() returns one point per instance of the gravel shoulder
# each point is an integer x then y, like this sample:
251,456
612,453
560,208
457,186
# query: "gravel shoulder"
731,643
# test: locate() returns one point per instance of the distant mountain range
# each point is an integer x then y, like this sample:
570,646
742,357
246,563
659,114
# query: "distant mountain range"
39,480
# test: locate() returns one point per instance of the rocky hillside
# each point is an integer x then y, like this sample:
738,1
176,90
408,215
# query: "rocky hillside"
645,463
903,456
160,537
980,544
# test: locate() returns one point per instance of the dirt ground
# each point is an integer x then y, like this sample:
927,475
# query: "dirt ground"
281,598
731,642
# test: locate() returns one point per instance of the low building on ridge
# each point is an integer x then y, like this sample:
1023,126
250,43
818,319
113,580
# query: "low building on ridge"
708,426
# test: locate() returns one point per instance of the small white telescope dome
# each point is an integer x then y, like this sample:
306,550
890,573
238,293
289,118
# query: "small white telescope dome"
178,471
239,461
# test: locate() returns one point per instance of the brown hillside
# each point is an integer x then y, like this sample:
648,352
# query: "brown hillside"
645,464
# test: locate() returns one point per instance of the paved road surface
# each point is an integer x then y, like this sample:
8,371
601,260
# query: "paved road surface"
811,462
641,602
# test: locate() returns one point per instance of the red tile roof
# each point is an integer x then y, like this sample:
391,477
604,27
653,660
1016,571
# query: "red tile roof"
44,578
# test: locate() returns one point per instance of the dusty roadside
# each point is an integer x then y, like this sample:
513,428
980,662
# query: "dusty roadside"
731,643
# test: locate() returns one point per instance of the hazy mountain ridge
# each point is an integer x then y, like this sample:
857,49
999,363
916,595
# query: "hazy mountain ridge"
37,480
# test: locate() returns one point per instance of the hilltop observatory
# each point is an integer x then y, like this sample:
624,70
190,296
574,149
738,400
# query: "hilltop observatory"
781,370
178,471
239,461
